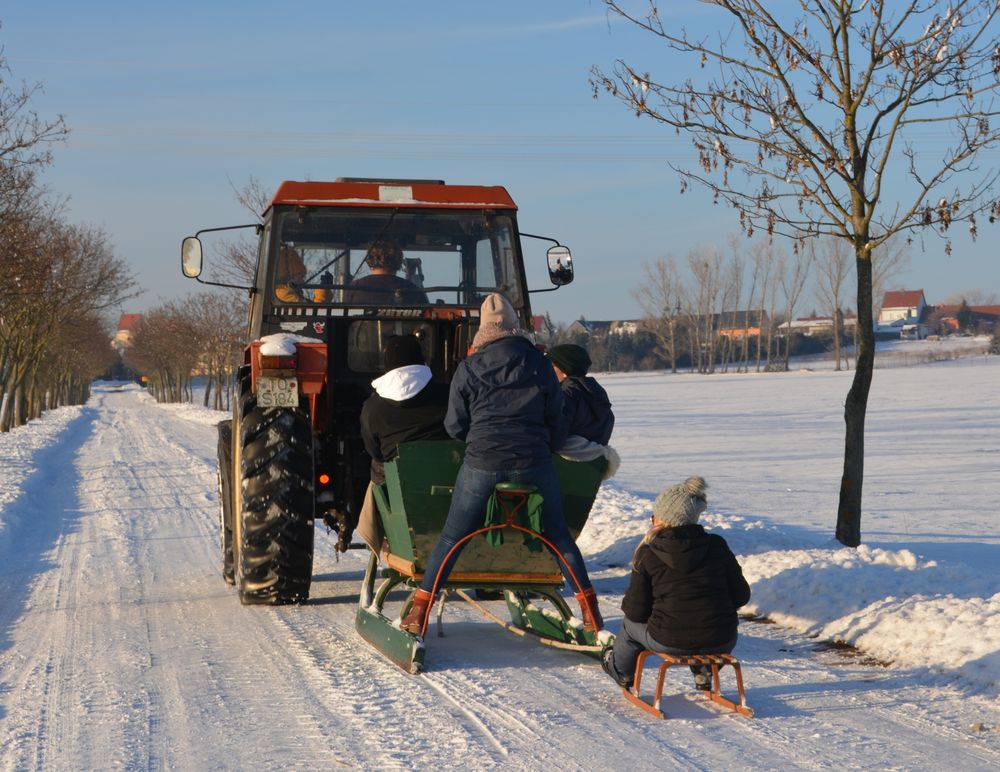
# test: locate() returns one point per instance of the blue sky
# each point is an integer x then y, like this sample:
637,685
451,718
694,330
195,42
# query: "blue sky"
173,104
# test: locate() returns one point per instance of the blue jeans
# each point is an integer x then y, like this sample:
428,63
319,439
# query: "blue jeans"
473,488
635,638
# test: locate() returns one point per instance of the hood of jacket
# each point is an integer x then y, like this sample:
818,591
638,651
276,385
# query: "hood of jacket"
403,382
507,362
683,548
592,391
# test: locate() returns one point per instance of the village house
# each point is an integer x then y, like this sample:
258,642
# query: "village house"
616,327
945,317
903,315
123,335
817,325
740,324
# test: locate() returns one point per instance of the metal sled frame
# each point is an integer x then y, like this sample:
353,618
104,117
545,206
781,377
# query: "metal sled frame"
716,661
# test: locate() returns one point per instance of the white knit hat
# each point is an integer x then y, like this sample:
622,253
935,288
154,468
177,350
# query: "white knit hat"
681,504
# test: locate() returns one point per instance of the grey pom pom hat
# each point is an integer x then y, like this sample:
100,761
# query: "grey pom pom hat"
681,504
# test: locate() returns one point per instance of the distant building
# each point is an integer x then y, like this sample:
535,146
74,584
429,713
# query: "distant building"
945,317
903,315
123,335
617,327
816,325
740,324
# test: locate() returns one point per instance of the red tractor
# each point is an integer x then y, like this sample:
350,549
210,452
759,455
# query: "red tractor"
321,306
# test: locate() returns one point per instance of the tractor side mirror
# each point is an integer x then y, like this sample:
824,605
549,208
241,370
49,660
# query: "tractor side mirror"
560,265
191,257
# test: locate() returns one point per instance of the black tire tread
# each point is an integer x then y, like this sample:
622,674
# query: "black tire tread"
277,495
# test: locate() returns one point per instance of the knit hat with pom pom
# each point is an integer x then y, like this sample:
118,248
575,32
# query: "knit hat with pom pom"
497,319
681,504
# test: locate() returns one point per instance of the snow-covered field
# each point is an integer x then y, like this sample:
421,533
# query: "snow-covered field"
121,647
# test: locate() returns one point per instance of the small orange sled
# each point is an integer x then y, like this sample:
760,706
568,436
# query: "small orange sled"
716,661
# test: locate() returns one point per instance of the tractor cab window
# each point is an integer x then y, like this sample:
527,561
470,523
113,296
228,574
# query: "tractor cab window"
385,257
366,339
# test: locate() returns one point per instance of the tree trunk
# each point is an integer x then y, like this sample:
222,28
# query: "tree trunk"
848,530
838,336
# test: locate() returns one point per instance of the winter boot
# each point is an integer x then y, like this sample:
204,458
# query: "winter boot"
608,663
590,610
702,677
413,622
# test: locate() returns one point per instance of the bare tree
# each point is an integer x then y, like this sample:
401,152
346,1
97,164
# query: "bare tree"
762,258
833,261
819,103
237,261
25,137
218,321
792,276
659,297
975,296
166,347
736,318
58,275
706,270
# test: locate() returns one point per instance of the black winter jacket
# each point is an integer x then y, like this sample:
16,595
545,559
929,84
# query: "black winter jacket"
587,409
385,423
686,586
506,405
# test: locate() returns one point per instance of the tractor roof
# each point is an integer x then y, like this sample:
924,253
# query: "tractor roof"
392,193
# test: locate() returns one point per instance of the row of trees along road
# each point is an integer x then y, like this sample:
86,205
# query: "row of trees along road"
204,334
199,335
852,119
58,281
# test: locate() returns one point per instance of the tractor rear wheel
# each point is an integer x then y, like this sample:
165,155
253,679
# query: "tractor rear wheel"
276,502
225,454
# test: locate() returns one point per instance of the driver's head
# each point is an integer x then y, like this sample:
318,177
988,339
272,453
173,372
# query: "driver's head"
290,265
385,256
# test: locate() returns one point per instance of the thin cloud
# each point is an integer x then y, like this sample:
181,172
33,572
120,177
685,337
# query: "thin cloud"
543,27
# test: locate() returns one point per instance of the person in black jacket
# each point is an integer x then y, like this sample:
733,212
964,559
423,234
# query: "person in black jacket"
586,407
406,406
506,405
685,588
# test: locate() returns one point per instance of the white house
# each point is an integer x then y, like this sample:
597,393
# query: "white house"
903,314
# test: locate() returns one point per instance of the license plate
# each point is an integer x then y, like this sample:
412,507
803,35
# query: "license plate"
277,392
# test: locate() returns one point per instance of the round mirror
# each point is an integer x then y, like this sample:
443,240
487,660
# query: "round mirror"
560,265
191,257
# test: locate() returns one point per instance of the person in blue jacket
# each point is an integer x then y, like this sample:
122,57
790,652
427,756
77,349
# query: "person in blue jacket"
505,403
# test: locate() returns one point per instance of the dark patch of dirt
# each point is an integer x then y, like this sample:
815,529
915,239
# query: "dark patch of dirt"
848,651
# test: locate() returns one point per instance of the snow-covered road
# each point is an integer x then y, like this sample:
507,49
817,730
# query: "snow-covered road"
122,648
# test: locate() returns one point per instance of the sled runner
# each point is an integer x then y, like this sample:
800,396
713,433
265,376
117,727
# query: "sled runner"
716,661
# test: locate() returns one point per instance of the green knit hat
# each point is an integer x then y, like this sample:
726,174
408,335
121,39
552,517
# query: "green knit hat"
570,358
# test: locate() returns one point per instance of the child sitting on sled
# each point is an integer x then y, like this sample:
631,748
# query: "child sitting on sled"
684,591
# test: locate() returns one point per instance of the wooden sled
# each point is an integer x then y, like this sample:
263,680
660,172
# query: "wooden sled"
716,661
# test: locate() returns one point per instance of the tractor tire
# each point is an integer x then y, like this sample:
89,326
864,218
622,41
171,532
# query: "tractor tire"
225,454
273,540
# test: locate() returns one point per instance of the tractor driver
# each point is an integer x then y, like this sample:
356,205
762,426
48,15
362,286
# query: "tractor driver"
382,286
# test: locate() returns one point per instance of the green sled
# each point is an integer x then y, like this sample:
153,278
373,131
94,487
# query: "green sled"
413,506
